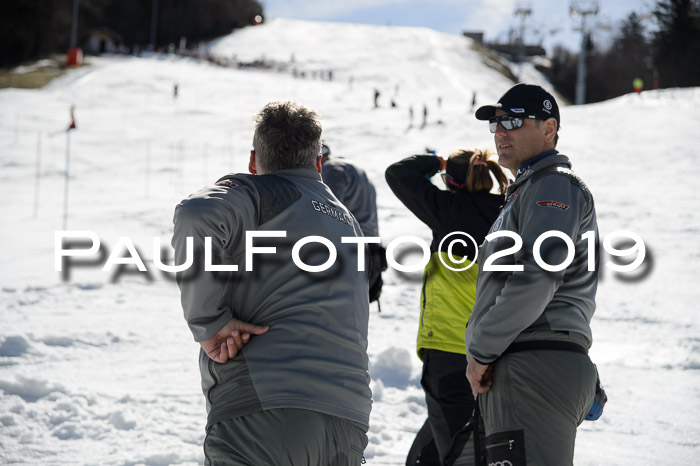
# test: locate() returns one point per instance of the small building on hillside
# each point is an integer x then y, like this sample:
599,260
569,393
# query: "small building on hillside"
478,36
102,40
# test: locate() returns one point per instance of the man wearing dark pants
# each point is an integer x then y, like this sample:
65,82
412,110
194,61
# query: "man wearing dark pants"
283,347
529,333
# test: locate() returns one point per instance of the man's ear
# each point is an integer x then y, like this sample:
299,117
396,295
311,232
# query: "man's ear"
550,129
252,168
319,164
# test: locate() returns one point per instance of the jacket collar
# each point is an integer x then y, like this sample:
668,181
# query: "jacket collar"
539,165
310,173
525,165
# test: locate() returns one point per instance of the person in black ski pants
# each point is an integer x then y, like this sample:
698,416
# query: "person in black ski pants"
447,295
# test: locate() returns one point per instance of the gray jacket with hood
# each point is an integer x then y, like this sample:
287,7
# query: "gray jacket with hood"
535,304
314,354
351,185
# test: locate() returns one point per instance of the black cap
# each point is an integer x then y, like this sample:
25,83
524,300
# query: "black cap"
523,100
325,150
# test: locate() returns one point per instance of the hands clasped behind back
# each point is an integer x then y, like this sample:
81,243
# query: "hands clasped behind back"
230,339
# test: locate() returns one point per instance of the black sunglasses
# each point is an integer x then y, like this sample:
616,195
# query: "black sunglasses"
508,122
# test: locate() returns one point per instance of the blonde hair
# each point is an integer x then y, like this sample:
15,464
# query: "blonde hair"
479,171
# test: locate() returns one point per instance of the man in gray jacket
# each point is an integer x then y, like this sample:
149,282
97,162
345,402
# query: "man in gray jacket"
529,334
281,320
353,188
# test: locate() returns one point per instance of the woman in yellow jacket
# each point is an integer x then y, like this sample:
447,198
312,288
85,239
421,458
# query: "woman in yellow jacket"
447,296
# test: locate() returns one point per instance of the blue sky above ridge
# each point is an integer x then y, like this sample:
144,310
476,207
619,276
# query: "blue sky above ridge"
549,24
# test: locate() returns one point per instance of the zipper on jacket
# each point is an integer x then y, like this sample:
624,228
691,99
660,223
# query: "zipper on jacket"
422,310
212,373
508,443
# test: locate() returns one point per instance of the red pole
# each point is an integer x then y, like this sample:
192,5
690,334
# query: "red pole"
656,78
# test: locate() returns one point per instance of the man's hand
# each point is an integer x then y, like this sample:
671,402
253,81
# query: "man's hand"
480,376
228,341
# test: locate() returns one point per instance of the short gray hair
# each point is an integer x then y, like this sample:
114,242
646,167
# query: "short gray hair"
287,135
556,135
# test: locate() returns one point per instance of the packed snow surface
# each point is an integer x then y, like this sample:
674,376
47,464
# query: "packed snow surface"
100,368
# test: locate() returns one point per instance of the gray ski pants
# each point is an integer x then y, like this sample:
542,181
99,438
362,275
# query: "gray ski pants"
285,437
537,400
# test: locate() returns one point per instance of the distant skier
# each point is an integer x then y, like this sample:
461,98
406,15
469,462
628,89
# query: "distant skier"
439,101
473,100
425,114
638,84
410,116
176,88
376,97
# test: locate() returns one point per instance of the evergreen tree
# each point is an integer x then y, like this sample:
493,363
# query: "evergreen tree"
562,73
34,28
677,43
611,72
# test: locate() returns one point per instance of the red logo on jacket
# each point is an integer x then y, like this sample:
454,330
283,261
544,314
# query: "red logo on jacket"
228,183
555,204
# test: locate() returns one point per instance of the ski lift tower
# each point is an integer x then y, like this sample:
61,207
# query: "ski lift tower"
576,10
522,12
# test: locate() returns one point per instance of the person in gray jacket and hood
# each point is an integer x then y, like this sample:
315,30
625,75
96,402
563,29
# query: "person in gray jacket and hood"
529,332
283,338
353,188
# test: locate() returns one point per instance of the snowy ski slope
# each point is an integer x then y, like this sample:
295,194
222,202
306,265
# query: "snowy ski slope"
103,370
